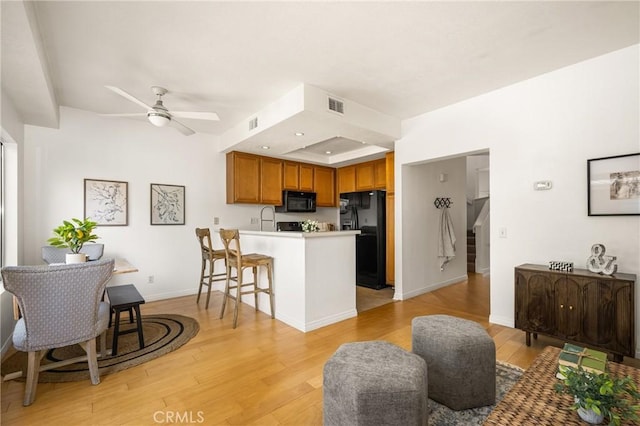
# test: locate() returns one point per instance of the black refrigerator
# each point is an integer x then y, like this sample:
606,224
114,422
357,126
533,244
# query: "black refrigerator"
366,212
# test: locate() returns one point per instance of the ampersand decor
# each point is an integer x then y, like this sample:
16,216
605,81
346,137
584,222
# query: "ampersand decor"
599,263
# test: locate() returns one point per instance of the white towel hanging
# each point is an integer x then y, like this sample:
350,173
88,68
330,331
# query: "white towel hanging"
446,239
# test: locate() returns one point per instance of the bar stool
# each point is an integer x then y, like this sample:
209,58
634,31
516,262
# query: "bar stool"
235,259
210,256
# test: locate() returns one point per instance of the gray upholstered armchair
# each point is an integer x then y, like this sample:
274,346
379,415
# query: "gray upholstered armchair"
60,306
52,254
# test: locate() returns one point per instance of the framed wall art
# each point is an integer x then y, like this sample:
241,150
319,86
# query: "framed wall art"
167,204
614,185
105,201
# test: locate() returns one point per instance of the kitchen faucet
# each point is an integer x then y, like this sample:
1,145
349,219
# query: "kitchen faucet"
273,217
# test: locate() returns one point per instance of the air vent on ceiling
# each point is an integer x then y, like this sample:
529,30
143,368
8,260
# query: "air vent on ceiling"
336,106
253,123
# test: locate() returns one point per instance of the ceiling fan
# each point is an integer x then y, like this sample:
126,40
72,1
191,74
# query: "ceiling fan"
158,114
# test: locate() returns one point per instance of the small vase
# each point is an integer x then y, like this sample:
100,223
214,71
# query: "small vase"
589,416
76,258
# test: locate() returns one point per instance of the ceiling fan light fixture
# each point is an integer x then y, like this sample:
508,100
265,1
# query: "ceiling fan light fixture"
158,119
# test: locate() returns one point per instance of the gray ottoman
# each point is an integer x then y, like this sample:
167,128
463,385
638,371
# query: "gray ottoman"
461,358
374,383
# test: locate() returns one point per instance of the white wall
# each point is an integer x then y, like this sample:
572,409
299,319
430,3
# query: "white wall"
544,128
421,223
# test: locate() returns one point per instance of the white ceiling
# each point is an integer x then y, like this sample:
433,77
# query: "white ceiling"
234,58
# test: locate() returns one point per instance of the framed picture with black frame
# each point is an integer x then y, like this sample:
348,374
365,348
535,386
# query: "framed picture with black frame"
614,185
106,201
167,204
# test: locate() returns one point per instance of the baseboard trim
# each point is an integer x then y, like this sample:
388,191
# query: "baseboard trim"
429,288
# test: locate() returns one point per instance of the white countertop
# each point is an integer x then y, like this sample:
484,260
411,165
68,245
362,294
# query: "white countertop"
289,234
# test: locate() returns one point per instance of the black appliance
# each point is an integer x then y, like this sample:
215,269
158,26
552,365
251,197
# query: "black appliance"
289,226
297,202
371,242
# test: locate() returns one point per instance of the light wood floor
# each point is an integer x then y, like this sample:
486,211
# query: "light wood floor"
262,373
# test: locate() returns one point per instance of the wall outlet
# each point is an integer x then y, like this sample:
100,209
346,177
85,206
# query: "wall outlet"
216,220
150,279
254,220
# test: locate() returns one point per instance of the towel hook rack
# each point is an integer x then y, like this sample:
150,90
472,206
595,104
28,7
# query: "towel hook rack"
441,202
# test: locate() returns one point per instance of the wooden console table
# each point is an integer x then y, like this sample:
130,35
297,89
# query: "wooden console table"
533,401
578,306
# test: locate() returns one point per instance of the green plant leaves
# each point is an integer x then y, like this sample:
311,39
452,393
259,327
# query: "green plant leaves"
74,236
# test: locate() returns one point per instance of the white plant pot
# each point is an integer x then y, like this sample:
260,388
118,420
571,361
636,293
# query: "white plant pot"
76,258
589,416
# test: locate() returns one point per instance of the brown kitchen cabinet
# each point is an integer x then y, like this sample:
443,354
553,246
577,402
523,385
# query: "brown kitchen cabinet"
380,174
365,176
291,175
390,219
390,239
346,179
578,306
297,176
307,177
253,179
270,181
243,178
325,186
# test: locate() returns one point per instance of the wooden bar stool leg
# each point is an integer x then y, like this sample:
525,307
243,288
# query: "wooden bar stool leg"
206,306
202,269
255,286
238,297
226,292
271,295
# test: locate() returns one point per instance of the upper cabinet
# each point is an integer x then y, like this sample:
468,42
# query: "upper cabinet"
325,186
380,174
347,179
253,179
291,179
390,175
298,176
363,177
243,178
307,177
270,181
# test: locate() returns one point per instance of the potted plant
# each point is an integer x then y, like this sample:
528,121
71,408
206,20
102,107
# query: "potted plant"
599,396
73,235
310,226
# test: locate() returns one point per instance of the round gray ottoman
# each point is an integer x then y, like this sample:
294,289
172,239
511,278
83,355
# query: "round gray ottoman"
374,383
461,358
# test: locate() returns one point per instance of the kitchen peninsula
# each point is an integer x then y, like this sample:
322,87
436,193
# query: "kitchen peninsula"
314,275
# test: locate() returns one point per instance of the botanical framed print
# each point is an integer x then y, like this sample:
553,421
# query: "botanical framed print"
105,201
614,185
167,204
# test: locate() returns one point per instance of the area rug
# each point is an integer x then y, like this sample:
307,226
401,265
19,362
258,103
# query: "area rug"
506,376
162,334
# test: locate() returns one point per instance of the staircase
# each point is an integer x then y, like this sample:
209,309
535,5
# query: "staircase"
471,251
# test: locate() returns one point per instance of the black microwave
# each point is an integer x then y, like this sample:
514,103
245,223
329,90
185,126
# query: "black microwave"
297,202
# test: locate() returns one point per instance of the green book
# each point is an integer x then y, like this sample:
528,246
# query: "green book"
589,359
594,361
570,355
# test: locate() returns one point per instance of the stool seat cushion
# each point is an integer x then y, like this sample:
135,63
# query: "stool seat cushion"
461,358
374,383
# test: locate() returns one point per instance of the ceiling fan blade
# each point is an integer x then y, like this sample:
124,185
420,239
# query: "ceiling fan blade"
196,115
132,114
181,127
126,95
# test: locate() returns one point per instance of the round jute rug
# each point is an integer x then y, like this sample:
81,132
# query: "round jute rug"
162,334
